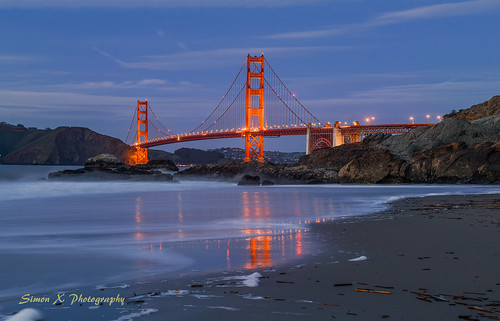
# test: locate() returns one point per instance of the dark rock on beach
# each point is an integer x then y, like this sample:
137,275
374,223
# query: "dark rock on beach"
109,167
165,164
249,180
267,171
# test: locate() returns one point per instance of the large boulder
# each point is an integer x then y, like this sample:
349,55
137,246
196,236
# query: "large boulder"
378,166
109,167
104,161
165,164
249,180
457,163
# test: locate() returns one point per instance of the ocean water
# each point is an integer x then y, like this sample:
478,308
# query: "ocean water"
60,235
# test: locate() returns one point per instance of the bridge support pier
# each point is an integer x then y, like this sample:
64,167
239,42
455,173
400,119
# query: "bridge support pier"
254,138
319,137
142,131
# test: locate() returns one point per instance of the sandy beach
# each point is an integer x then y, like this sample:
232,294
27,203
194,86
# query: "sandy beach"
433,258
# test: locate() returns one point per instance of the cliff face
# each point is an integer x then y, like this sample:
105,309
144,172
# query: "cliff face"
63,146
487,108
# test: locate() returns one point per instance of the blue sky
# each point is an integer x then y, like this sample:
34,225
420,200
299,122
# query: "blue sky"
87,62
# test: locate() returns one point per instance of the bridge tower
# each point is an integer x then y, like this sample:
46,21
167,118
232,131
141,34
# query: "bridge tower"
254,149
142,131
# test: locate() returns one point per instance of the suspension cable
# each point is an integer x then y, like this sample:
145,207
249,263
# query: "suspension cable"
168,130
223,97
284,102
239,93
269,65
131,124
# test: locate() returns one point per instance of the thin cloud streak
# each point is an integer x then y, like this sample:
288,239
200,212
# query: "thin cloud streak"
414,93
15,58
61,103
428,12
30,4
203,59
152,84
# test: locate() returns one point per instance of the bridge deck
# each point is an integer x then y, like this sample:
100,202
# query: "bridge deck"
345,130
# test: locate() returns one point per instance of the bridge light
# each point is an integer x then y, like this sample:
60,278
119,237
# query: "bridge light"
438,117
412,119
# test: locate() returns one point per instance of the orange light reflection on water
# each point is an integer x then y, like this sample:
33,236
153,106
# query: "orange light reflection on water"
261,249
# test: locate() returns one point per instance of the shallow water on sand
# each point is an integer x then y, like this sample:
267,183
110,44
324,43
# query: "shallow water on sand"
59,235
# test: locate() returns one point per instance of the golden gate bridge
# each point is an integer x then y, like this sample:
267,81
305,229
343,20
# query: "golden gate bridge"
256,105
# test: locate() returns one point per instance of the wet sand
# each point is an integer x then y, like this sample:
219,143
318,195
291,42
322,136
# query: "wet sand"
433,258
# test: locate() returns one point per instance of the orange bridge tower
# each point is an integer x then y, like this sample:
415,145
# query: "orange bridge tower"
142,131
254,120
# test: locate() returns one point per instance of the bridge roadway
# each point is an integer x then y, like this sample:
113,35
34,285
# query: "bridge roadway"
359,130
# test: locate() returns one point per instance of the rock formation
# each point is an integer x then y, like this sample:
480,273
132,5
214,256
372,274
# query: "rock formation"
249,180
109,167
62,146
487,108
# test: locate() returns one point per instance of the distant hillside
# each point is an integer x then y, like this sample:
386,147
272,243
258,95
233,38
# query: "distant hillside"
74,145
62,146
234,154
188,156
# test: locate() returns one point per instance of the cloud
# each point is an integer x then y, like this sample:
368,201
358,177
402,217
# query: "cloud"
426,12
452,9
15,58
59,100
203,59
156,3
432,92
150,84
60,104
116,85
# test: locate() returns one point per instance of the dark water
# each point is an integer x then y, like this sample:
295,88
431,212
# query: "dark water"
60,235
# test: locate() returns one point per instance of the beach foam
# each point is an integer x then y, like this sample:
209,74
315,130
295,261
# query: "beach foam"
131,316
28,314
357,259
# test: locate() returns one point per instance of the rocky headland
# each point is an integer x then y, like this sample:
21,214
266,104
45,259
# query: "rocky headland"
110,167
463,148
60,146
